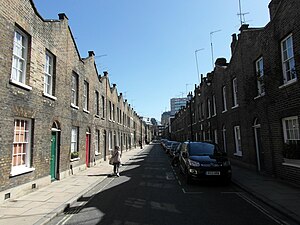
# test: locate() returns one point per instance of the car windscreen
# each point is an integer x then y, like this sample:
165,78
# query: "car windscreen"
199,148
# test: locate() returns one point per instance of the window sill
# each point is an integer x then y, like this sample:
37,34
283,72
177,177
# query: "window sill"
49,96
290,82
291,162
234,107
239,154
19,171
97,153
86,111
20,84
97,116
74,106
224,111
102,118
75,159
260,95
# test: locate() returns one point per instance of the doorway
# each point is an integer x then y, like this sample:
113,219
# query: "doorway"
258,146
54,153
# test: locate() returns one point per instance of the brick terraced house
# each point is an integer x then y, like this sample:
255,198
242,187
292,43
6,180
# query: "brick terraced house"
57,114
250,105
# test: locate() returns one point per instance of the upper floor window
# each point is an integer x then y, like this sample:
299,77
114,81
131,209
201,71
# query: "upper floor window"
74,96
20,49
86,95
234,92
214,108
21,152
224,98
288,62
259,65
97,102
113,112
110,110
208,108
49,74
103,106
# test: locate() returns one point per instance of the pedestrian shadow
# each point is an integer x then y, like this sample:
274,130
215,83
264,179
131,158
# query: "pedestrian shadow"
99,175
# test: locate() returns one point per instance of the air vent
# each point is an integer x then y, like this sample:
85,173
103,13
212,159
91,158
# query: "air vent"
33,186
6,196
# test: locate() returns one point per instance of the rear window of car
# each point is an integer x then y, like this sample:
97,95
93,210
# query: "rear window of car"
200,148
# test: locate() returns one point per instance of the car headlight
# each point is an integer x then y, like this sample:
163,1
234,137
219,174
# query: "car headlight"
193,163
226,163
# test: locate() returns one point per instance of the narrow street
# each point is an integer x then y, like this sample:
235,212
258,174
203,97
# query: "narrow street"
150,191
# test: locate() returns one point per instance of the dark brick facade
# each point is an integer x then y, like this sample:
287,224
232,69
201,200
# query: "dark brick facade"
259,116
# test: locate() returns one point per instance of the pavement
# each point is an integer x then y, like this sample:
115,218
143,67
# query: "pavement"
40,206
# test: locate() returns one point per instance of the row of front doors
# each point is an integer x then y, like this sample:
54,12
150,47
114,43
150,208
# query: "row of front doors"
55,152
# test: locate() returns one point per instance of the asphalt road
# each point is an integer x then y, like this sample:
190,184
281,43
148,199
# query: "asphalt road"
151,192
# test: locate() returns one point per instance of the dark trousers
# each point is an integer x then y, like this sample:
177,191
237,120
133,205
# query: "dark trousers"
116,168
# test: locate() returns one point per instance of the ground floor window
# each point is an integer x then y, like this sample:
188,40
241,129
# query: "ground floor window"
238,143
97,141
291,148
21,151
74,143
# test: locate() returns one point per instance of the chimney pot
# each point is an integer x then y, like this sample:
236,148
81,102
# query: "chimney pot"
91,53
62,16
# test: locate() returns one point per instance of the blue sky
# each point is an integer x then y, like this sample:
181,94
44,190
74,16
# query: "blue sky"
149,45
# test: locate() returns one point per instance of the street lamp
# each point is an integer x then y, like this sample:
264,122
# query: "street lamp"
211,46
197,62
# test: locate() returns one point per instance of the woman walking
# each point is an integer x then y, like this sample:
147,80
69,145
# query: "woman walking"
115,160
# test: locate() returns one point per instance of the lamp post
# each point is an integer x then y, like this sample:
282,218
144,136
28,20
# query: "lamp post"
197,62
211,46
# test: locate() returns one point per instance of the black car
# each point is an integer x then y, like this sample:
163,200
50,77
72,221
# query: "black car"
204,160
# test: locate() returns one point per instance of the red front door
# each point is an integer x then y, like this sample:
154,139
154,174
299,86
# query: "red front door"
87,148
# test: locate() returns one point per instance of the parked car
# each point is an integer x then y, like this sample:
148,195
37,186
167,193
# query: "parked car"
175,157
204,160
173,148
168,146
163,142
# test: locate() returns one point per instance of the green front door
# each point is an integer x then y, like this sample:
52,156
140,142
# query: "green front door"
53,156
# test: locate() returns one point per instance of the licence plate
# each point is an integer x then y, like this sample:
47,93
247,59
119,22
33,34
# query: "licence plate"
212,173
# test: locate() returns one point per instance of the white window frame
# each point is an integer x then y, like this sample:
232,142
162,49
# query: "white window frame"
259,65
49,74
224,138
214,105
288,61
74,139
74,98
97,141
86,96
290,127
208,108
110,144
224,98
216,136
237,141
22,145
19,60
97,99
234,93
